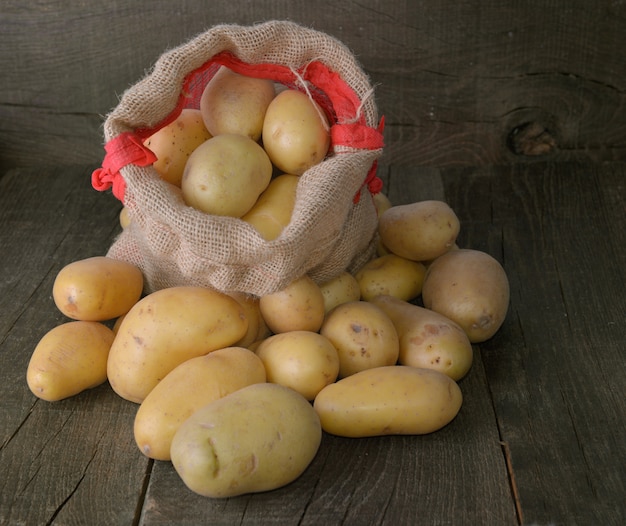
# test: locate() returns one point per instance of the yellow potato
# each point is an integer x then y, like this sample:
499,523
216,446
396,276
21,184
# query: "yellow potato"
272,211
166,328
392,400
427,338
302,360
420,231
393,275
234,103
97,288
363,335
382,203
256,439
296,132
69,359
124,217
298,307
471,288
174,143
188,387
257,328
341,289
225,175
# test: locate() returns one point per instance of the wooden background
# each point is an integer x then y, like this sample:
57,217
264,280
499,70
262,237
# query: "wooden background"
456,80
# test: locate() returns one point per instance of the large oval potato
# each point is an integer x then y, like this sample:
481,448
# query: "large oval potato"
166,328
225,175
363,335
471,288
420,231
391,400
234,103
69,359
256,439
428,339
97,289
188,387
174,143
305,361
296,132
297,307
391,275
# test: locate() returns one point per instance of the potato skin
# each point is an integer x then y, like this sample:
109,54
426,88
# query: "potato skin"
69,359
391,400
391,275
97,288
256,439
420,231
363,335
188,387
341,289
428,339
166,328
471,288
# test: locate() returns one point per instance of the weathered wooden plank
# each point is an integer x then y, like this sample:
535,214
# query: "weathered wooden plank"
556,370
453,79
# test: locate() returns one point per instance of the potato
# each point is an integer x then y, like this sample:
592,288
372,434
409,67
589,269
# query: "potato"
471,288
392,275
97,289
166,328
188,387
296,133
381,202
391,400
420,231
298,307
305,361
256,439
427,338
363,335
225,175
234,103
272,211
124,217
69,359
341,289
257,328
173,144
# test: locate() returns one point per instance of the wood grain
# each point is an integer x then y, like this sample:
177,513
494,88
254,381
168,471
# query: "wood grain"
453,79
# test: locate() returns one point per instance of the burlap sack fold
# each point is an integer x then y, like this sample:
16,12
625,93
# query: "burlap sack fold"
334,221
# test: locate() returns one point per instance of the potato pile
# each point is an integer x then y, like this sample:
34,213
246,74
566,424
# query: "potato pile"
237,390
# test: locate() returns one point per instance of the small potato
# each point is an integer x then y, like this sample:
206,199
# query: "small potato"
341,289
188,387
298,307
471,288
427,338
272,211
419,231
296,132
167,328
393,275
256,439
257,328
382,203
302,360
225,175
69,359
174,143
392,400
234,103
97,289
363,335
124,217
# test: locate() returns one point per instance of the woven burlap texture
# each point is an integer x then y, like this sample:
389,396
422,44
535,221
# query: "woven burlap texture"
174,244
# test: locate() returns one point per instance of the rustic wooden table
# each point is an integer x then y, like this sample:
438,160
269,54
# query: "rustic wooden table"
540,439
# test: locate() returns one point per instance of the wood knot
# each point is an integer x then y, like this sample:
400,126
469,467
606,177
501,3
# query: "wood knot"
531,139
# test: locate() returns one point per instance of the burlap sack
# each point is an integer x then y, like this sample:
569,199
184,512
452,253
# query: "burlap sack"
334,221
